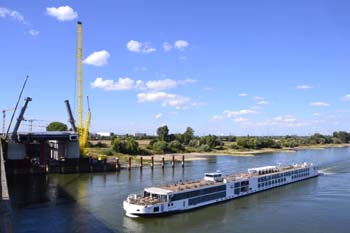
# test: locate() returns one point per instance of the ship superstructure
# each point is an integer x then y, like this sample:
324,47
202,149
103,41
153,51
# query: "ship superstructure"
213,188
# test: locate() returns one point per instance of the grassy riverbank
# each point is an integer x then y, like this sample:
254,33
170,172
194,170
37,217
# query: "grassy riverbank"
191,156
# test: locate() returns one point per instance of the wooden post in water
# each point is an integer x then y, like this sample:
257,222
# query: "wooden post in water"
141,162
117,165
163,162
173,161
183,161
152,162
129,162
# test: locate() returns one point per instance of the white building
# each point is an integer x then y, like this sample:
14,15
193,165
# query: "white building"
105,134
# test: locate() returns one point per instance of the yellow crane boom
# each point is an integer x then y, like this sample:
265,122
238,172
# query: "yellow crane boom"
85,136
83,130
79,80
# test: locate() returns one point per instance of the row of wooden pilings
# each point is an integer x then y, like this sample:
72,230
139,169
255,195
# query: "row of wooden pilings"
173,161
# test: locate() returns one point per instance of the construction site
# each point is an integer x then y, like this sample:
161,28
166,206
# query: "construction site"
50,151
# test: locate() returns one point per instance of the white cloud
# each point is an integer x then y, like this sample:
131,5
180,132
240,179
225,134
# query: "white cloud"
263,102
346,98
33,32
183,58
161,84
240,120
233,114
319,104
99,58
304,87
258,98
134,46
139,47
186,81
286,119
152,85
110,85
167,99
62,13
167,46
181,44
159,115
5,12
217,118
316,114
243,94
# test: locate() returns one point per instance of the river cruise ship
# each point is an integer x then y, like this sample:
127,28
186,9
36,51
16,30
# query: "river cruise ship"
213,188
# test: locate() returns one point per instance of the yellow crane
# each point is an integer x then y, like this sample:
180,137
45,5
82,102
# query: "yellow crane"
83,131
85,136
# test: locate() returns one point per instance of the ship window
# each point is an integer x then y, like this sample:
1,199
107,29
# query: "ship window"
237,191
210,197
244,183
237,185
146,194
156,209
195,193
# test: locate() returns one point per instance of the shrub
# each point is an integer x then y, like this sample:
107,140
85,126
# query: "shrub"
160,146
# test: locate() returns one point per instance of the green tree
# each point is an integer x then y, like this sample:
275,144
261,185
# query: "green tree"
126,146
188,135
118,145
176,146
210,140
179,137
163,133
131,146
160,146
56,126
343,136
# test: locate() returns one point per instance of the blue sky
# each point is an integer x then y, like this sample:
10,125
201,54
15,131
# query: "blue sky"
228,67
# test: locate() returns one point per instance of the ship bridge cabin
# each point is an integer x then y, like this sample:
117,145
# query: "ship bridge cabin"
263,170
213,176
157,193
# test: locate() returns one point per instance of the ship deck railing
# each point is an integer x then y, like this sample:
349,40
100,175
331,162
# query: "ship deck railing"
188,185
144,201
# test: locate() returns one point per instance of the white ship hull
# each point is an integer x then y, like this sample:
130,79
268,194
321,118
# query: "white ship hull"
165,201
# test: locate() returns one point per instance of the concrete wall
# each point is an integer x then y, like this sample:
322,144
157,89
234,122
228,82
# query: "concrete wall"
5,205
16,150
73,150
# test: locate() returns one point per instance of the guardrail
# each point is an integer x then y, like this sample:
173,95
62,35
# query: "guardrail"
5,206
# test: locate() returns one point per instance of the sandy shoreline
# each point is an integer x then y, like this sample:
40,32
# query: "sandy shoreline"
193,156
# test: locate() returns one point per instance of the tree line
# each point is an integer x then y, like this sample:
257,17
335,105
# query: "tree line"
165,142
290,141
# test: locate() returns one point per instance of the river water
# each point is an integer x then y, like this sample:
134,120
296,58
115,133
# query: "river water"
93,202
